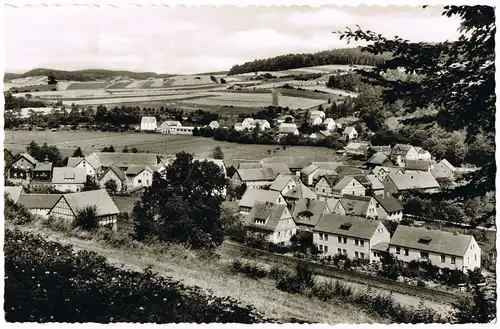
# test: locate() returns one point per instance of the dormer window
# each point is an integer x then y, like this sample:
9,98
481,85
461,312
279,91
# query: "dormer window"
260,221
425,240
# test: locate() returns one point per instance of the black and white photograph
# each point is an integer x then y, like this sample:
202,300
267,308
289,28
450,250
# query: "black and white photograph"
280,164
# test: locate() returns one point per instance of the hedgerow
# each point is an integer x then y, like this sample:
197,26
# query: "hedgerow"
48,282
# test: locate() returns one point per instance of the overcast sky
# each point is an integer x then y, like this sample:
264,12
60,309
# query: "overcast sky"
194,39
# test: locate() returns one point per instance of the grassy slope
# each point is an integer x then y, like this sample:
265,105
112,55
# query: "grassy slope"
184,265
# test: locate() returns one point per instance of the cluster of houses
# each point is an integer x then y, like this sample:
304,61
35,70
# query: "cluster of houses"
131,173
343,207
173,127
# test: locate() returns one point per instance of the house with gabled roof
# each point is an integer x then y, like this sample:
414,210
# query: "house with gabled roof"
402,152
272,220
317,113
263,124
378,159
8,158
116,174
329,124
334,186
381,172
257,178
39,204
22,167
253,195
166,126
297,192
311,173
79,162
410,181
122,160
214,125
349,133
278,168
440,248
294,163
67,179
351,236
376,185
148,123
388,208
68,206
359,149
284,183
306,213
315,121
417,166
43,170
360,206
288,128
443,169
423,155
384,149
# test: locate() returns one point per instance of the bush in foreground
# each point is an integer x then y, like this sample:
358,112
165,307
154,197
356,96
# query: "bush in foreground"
48,282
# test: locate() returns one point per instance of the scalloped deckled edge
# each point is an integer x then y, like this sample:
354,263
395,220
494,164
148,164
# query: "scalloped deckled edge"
234,3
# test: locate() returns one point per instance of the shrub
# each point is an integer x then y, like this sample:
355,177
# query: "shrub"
276,272
16,213
253,271
86,218
302,280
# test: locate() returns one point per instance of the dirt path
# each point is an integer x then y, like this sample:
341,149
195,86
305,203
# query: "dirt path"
214,276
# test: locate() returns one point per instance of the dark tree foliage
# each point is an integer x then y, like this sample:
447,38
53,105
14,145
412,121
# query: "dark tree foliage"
478,306
90,184
348,56
49,282
349,81
78,153
111,186
50,152
183,206
458,78
86,218
217,153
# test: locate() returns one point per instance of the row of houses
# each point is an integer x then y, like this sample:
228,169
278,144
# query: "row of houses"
251,124
130,171
65,207
172,127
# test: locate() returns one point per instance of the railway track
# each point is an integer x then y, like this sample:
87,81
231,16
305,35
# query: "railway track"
434,295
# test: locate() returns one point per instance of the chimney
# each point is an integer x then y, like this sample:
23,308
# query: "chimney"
46,159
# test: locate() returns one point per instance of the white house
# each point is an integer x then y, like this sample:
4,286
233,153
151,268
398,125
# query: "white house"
349,133
68,179
238,127
253,195
77,162
388,208
248,123
315,121
273,220
443,169
440,248
181,130
394,183
214,125
329,124
257,177
148,124
351,236
320,114
288,128
263,124
360,206
166,126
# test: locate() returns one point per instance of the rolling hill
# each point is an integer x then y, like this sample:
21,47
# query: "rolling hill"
83,75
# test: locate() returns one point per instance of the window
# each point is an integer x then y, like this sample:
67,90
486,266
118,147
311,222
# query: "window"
453,260
344,251
467,260
362,243
353,185
475,257
443,258
375,254
320,247
325,237
356,255
321,236
345,240
356,242
279,234
362,255
339,239
398,250
407,252
139,181
424,255
326,248
339,251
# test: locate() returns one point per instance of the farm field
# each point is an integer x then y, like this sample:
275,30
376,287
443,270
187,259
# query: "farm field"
90,141
87,85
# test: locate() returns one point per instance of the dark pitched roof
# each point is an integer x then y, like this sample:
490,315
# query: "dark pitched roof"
293,162
417,165
107,159
439,241
269,212
259,174
277,168
351,226
417,180
39,201
118,172
313,207
98,198
363,180
389,203
74,161
28,157
8,157
43,166
348,170
61,174
300,191
378,158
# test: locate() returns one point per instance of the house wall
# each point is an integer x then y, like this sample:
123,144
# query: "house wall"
389,186
381,235
323,190
424,156
435,258
378,192
393,216
109,220
353,188
258,184
148,126
440,170
284,229
62,211
90,170
23,164
349,248
181,130
412,154
42,175
339,209
472,257
108,176
144,178
68,187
